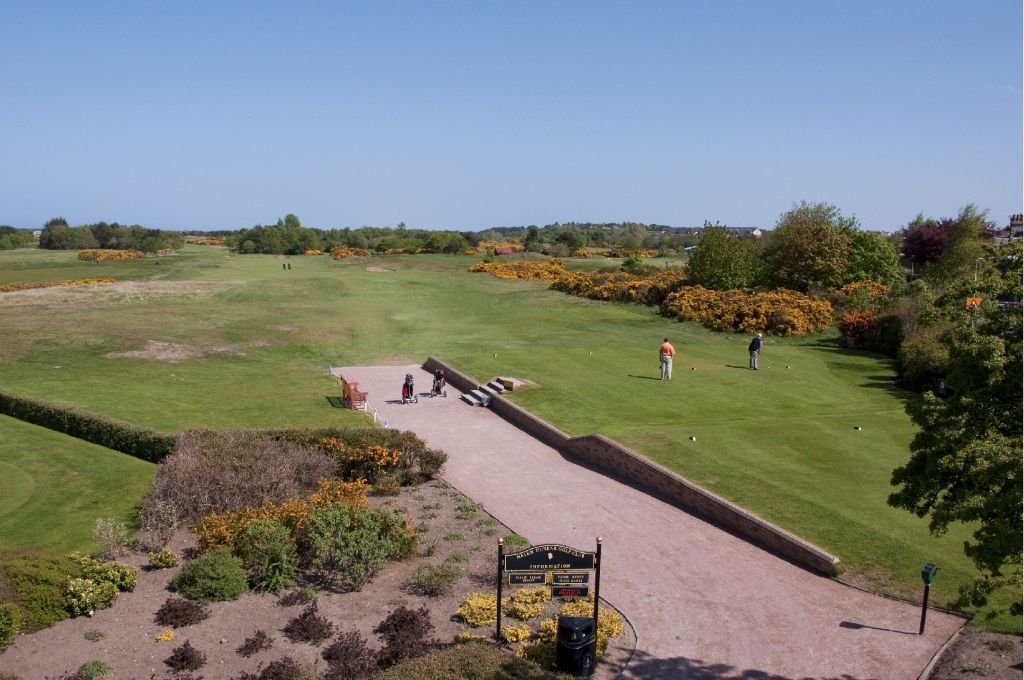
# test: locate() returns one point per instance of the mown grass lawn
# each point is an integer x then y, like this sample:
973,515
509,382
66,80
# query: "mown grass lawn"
54,487
781,441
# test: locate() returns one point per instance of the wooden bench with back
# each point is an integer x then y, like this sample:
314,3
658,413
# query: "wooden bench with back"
355,398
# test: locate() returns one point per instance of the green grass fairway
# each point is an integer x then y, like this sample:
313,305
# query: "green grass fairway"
53,487
246,343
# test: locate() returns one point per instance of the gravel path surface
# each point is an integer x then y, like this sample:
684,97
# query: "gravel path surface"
704,603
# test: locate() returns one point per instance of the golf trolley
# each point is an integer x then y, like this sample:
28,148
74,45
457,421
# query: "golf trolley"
409,390
440,384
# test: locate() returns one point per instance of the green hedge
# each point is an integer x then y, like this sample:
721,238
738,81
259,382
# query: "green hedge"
113,434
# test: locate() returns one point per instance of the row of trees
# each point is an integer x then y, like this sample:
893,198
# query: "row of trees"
11,238
813,247
57,234
289,237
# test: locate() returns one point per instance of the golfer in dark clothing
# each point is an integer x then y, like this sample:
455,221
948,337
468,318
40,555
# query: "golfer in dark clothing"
755,349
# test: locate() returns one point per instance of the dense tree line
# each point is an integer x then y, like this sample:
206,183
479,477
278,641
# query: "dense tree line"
11,238
289,237
57,234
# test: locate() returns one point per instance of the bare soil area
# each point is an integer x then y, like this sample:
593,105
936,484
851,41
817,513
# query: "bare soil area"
61,296
453,531
173,352
981,655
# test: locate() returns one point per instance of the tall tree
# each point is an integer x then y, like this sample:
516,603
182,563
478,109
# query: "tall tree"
809,247
965,248
723,261
871,258
966,462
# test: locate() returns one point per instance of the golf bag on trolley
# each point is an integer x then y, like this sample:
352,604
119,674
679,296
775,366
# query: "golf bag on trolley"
408,390
439,385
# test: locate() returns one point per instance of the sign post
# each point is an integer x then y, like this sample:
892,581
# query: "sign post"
501,559
597,579
569,569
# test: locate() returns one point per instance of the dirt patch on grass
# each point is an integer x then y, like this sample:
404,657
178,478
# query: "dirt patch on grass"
173,353
454,531
980,655
378,269
62,296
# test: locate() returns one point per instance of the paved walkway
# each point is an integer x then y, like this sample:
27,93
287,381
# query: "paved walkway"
704,603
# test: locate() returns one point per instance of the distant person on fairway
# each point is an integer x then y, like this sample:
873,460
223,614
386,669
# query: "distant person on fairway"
665,354
755,349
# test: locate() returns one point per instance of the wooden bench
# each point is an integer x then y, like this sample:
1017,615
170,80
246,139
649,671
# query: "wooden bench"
355,399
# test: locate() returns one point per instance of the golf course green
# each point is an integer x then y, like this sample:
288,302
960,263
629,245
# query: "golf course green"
208,338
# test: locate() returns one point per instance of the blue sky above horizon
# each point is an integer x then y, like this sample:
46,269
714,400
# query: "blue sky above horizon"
467,115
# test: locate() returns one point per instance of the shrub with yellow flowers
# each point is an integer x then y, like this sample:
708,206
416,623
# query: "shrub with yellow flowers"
14,287
103,255
645,289
369,462
527,603
223,528
312,251
341,252
777,312
546,270
515,633
479,609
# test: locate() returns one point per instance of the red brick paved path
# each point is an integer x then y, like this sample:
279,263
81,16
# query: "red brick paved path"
704,603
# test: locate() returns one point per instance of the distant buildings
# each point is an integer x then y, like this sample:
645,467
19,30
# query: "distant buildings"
1014,230
697,231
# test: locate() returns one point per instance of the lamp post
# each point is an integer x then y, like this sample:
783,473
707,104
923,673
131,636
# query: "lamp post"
927,575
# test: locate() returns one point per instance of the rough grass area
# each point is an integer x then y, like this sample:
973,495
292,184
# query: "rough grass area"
256,341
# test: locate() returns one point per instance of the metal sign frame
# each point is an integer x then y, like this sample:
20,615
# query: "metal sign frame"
563,561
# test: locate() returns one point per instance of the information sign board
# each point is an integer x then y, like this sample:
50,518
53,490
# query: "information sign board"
549,558
570,578
525,578
569,591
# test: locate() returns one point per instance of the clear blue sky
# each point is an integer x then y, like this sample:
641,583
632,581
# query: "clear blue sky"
465,115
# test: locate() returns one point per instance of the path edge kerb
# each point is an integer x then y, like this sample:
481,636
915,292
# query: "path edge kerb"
609,457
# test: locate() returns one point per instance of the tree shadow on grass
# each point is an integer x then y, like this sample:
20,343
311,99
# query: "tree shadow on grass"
643,665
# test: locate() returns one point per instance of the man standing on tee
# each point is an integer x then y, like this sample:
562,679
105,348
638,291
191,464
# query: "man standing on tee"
666,353
755,349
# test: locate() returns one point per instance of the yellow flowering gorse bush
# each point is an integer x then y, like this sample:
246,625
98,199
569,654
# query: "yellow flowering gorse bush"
103,255
223,528
13,287
778,312
341,252
646,289
546,270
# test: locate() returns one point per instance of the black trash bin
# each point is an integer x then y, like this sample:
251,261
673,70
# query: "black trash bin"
576,650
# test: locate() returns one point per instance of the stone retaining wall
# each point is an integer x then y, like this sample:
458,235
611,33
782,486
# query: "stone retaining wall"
612,458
